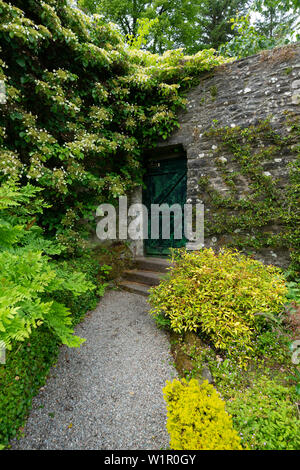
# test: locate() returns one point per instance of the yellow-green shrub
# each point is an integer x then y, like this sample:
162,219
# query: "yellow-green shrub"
197,419
220,295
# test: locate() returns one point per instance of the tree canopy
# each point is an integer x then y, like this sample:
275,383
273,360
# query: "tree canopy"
193,25
196,25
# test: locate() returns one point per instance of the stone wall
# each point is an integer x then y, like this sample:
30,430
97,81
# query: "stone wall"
240,94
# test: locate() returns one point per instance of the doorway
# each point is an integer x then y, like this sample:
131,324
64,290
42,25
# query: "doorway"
165,183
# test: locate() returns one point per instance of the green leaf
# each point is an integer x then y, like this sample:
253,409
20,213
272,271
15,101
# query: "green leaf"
21,62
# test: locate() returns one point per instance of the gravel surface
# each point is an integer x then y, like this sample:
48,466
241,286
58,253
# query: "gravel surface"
108,393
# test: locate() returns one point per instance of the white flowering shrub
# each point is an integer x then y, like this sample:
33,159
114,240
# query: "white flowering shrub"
81,105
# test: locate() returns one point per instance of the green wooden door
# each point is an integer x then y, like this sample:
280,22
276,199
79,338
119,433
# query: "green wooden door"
165,184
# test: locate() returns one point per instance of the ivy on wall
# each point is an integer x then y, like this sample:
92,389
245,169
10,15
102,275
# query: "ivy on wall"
257,210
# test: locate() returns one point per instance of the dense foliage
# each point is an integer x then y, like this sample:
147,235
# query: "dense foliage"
25,371
193,25
78,107
262,400
28,278
220,295
260,387
81,106
266,416
236,27
197,419
257,376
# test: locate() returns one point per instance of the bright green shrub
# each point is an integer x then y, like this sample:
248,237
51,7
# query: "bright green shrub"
197,419
29,277
266,415
219,295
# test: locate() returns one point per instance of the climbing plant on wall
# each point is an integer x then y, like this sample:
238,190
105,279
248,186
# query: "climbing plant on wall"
261,211
80,107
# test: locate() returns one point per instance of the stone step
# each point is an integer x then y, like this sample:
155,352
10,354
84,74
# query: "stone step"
152,264
135,288
149,278
148,273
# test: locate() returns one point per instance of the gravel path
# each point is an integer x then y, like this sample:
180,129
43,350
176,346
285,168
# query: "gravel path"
108,393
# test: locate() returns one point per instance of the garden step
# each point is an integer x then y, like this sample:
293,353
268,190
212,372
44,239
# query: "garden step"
149,278
152,264
135,287
148,272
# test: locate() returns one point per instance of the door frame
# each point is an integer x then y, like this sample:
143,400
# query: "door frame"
169,152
